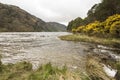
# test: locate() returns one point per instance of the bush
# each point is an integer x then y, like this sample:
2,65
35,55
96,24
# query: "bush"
80,29
93,27
74,30
108,28
115,29
110,21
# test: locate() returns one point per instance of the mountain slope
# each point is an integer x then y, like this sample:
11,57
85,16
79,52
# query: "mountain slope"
53,26
14,19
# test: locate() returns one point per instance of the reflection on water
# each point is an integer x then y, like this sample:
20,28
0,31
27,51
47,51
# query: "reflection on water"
40,48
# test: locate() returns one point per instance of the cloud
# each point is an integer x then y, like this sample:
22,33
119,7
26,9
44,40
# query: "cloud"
61,11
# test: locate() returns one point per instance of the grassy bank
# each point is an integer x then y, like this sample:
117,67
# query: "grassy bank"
23,71
94,68
112,42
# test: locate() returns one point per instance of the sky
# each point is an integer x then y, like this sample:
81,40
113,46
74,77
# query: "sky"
61,11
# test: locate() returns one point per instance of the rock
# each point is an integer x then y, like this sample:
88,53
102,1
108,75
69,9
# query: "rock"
117,76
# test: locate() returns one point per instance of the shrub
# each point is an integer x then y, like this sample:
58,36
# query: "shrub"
92,28
80,29
110,21
108,28
115,29
74,30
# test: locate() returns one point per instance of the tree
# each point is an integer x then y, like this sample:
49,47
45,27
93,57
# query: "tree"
103,10
75,23
99,12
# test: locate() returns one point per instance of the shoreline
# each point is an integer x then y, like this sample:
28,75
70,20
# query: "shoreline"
98,59
110,42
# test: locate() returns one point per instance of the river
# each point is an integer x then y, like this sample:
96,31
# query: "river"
43,47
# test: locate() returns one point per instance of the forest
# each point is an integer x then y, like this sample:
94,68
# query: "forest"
103,20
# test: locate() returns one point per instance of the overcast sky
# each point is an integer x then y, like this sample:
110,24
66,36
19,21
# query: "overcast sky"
61,11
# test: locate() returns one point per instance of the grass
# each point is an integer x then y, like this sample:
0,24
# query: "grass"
112,42
95,68
23,71
94,62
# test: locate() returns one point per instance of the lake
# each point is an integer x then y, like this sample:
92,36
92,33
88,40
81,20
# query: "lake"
43,47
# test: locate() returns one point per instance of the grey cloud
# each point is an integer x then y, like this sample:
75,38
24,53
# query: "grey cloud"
55,10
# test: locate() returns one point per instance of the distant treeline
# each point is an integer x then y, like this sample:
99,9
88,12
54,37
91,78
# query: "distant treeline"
96,21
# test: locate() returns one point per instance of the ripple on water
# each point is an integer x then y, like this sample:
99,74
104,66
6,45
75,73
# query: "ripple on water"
40,48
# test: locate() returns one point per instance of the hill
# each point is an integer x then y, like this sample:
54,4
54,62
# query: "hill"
99,12
54,26
14,19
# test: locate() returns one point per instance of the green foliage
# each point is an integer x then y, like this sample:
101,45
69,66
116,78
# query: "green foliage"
109,28
74,30
117,66
17,71
115,29
23,71
47,72
99,12
74,23
103,10
23,66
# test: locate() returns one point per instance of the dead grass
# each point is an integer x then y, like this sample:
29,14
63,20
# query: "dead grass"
112,42
95,69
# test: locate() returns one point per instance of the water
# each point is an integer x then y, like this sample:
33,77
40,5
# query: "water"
41,48
113,53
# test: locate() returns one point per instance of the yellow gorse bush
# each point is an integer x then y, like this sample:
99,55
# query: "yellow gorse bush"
109,28
110,21
92,27
74,30
115,29
80,29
